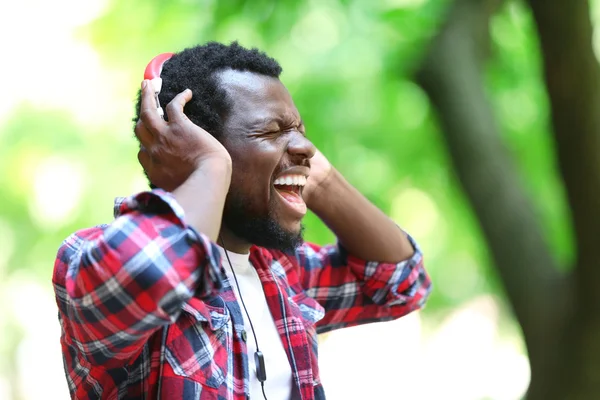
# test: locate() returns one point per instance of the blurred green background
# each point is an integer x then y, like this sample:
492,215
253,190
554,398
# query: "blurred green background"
70,72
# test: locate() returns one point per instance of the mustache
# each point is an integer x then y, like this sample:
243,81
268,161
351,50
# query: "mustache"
305,162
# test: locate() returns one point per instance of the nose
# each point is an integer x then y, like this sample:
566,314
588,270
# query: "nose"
300,146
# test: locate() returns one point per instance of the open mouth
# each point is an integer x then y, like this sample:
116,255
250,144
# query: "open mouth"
289,187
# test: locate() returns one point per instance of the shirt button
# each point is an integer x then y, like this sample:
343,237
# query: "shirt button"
244,336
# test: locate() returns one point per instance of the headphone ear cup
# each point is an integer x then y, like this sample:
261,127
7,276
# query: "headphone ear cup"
152,73
154,67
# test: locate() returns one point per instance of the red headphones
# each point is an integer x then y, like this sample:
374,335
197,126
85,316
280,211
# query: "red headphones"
152,73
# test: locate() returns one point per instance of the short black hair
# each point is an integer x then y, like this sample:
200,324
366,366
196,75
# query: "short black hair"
196,68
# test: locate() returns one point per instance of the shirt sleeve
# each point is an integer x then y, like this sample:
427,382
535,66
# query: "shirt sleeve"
117,284
353,291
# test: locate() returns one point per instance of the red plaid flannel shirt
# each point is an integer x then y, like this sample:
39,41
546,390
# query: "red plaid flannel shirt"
147,312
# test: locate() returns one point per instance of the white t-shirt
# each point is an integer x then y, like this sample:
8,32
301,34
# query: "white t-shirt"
279,373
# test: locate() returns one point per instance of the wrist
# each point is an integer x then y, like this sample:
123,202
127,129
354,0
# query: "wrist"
211,175
219,167
321,196
219,160
202,196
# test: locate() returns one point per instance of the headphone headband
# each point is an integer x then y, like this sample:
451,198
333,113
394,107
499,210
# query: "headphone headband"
154,67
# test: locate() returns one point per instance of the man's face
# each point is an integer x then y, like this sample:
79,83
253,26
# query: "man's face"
264,135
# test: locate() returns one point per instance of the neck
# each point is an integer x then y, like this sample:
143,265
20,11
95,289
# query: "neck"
231,242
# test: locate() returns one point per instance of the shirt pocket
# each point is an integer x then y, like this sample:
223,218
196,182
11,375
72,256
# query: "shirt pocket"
307,308
199,343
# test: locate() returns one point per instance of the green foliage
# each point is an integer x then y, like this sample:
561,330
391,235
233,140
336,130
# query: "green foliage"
348,65
521,104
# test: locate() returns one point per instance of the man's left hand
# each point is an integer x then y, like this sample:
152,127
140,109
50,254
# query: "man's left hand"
320,172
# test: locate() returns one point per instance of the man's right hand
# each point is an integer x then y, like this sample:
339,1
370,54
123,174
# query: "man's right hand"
182,158
171,151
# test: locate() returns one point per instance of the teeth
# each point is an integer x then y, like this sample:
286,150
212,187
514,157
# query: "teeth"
295,180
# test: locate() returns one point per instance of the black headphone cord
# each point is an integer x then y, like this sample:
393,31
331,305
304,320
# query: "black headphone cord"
259,359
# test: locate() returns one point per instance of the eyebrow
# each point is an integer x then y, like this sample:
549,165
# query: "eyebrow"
266,121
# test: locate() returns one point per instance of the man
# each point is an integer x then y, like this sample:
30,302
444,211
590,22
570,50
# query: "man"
200,285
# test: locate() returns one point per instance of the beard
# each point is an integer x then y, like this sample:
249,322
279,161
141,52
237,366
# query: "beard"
259,230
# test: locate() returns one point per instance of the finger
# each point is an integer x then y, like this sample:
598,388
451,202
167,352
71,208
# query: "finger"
148,112
145,137
175,106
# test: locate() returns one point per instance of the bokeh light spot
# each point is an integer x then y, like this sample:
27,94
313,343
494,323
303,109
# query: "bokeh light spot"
413,105
57,189
416,211
318,31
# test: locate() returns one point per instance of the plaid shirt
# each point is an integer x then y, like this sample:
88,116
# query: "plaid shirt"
147,312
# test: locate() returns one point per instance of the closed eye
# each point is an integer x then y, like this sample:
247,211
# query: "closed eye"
299,127
284,129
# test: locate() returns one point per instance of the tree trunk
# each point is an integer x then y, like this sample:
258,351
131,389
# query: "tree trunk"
559,314
572,77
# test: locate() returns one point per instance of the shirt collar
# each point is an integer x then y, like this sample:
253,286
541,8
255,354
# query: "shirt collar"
117,206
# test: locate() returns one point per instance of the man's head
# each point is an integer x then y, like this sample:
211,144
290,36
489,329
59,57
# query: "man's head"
239,99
